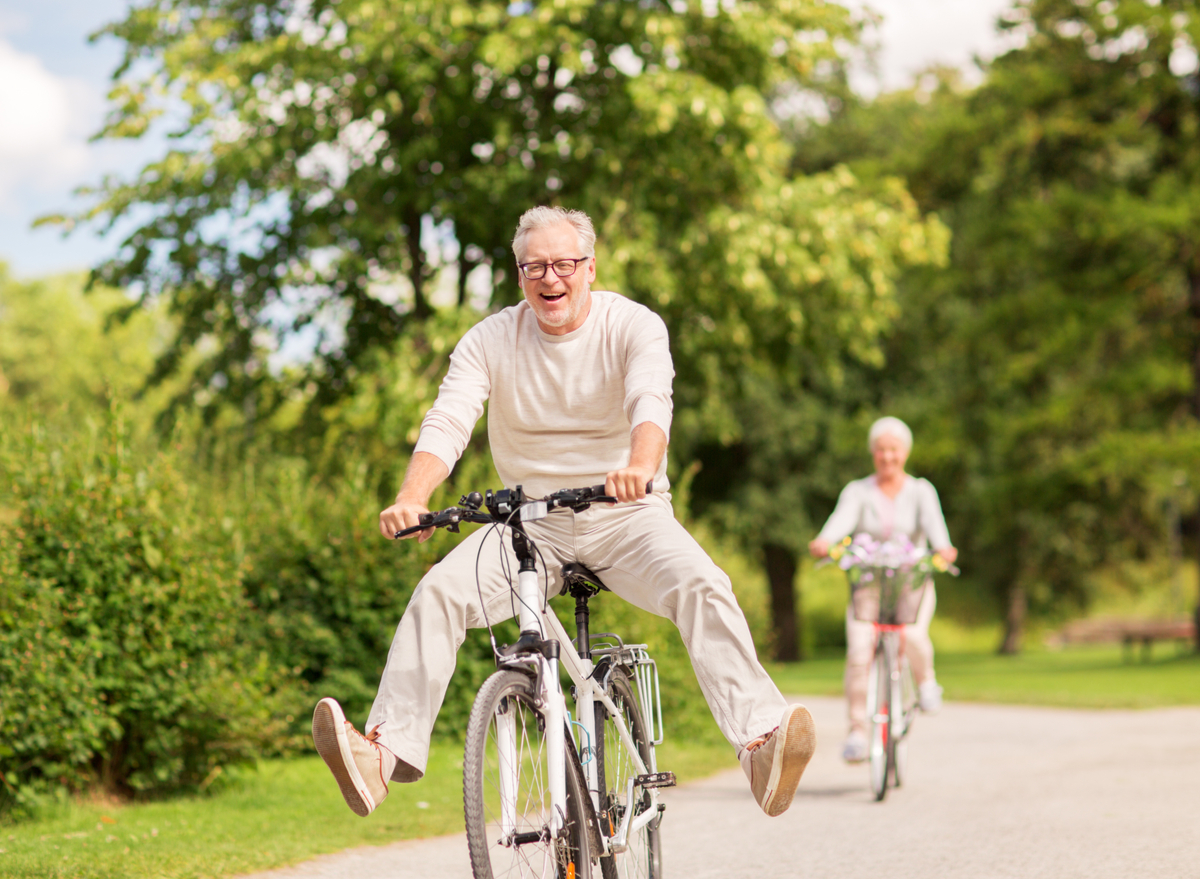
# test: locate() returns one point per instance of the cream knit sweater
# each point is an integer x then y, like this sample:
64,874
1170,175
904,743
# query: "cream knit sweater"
560,408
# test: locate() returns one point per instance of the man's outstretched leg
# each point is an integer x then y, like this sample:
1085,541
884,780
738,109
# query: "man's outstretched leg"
419,667
360,764
647,558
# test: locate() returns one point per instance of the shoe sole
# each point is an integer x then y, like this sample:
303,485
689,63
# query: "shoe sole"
796,742
329,736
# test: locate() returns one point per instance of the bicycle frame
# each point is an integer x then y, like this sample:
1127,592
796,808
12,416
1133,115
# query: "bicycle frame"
540,626
546,625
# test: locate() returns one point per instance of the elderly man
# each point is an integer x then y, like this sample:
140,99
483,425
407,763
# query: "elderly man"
579,390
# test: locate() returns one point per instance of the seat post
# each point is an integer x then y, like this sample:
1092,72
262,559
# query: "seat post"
583,641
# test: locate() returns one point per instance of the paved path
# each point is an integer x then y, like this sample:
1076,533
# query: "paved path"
992,792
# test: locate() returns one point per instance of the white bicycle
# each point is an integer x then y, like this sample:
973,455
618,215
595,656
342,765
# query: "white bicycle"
547,793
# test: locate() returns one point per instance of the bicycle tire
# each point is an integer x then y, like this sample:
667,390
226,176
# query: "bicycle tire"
907,701
511,697
643,857
880,751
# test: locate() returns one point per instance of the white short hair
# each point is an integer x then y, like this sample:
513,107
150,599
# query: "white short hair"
893,426
543,217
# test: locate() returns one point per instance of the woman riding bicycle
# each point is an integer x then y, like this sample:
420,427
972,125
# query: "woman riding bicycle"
889,504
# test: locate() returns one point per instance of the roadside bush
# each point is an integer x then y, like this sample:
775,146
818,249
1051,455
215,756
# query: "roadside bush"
126,648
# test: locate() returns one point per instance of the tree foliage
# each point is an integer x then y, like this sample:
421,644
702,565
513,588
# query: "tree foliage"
1052,366
320,145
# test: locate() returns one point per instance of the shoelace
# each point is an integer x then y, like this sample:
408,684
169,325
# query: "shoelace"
760,741
372,736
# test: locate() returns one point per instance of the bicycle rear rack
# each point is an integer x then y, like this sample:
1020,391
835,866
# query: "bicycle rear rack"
645,671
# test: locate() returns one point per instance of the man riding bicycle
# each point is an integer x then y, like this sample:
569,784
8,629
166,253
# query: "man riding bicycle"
578,386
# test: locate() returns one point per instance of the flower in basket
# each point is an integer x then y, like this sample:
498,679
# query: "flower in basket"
864,557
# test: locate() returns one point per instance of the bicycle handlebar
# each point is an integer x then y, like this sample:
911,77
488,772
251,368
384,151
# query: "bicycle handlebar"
502,505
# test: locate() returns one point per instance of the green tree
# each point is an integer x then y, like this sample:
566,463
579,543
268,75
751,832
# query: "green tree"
323,148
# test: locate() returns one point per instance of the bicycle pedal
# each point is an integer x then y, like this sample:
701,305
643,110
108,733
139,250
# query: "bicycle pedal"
655,779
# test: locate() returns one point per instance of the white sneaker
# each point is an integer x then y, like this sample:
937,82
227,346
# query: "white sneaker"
855,749
929,696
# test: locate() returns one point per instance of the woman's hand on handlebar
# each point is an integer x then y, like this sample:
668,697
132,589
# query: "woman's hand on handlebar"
818,548
949,553
629,484
404,514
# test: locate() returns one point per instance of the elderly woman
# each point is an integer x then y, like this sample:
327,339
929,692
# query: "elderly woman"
889,504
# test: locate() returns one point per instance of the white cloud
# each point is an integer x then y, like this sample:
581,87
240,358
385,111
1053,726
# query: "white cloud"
44,127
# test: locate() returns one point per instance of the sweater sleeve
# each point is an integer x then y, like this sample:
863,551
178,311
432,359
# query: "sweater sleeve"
846,516
447,426
649,373
930,518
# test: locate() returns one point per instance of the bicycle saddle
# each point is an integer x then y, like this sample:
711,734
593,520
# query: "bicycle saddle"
578,579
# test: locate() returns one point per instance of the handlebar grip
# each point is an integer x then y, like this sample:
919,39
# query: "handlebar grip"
426,519
649,488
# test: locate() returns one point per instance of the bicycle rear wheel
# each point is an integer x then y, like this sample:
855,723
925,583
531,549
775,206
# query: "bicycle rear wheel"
880,747
506,789
643,857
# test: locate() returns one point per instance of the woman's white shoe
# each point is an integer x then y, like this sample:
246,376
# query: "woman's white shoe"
855,748
929,696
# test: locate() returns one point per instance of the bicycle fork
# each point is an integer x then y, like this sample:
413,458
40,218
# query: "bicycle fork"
544,654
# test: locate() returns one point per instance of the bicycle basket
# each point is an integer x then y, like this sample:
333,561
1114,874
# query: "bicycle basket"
888,595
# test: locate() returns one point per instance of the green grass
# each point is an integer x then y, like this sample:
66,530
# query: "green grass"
287,811
1078,677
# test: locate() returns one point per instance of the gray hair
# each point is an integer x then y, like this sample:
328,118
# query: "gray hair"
543,217
893,426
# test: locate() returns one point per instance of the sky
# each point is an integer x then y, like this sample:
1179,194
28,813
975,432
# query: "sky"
53,87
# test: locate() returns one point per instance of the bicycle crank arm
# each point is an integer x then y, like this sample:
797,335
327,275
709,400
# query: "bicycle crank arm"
620,842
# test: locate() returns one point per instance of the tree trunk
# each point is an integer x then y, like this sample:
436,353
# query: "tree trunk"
1194,313
416,275
464,269
785,617
1014,621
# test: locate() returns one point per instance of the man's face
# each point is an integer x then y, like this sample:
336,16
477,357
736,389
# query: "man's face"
560,304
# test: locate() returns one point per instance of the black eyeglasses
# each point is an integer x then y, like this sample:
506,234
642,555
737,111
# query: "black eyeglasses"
564,268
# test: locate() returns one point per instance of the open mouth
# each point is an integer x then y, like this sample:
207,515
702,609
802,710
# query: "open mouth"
553,297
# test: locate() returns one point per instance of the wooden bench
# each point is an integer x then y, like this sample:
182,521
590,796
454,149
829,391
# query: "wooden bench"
1111,630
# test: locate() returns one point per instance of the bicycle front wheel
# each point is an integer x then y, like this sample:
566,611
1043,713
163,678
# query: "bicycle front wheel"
904,696
880,747
506,789
642,858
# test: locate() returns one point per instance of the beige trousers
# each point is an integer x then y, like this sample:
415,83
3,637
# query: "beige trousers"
860,650
644,556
